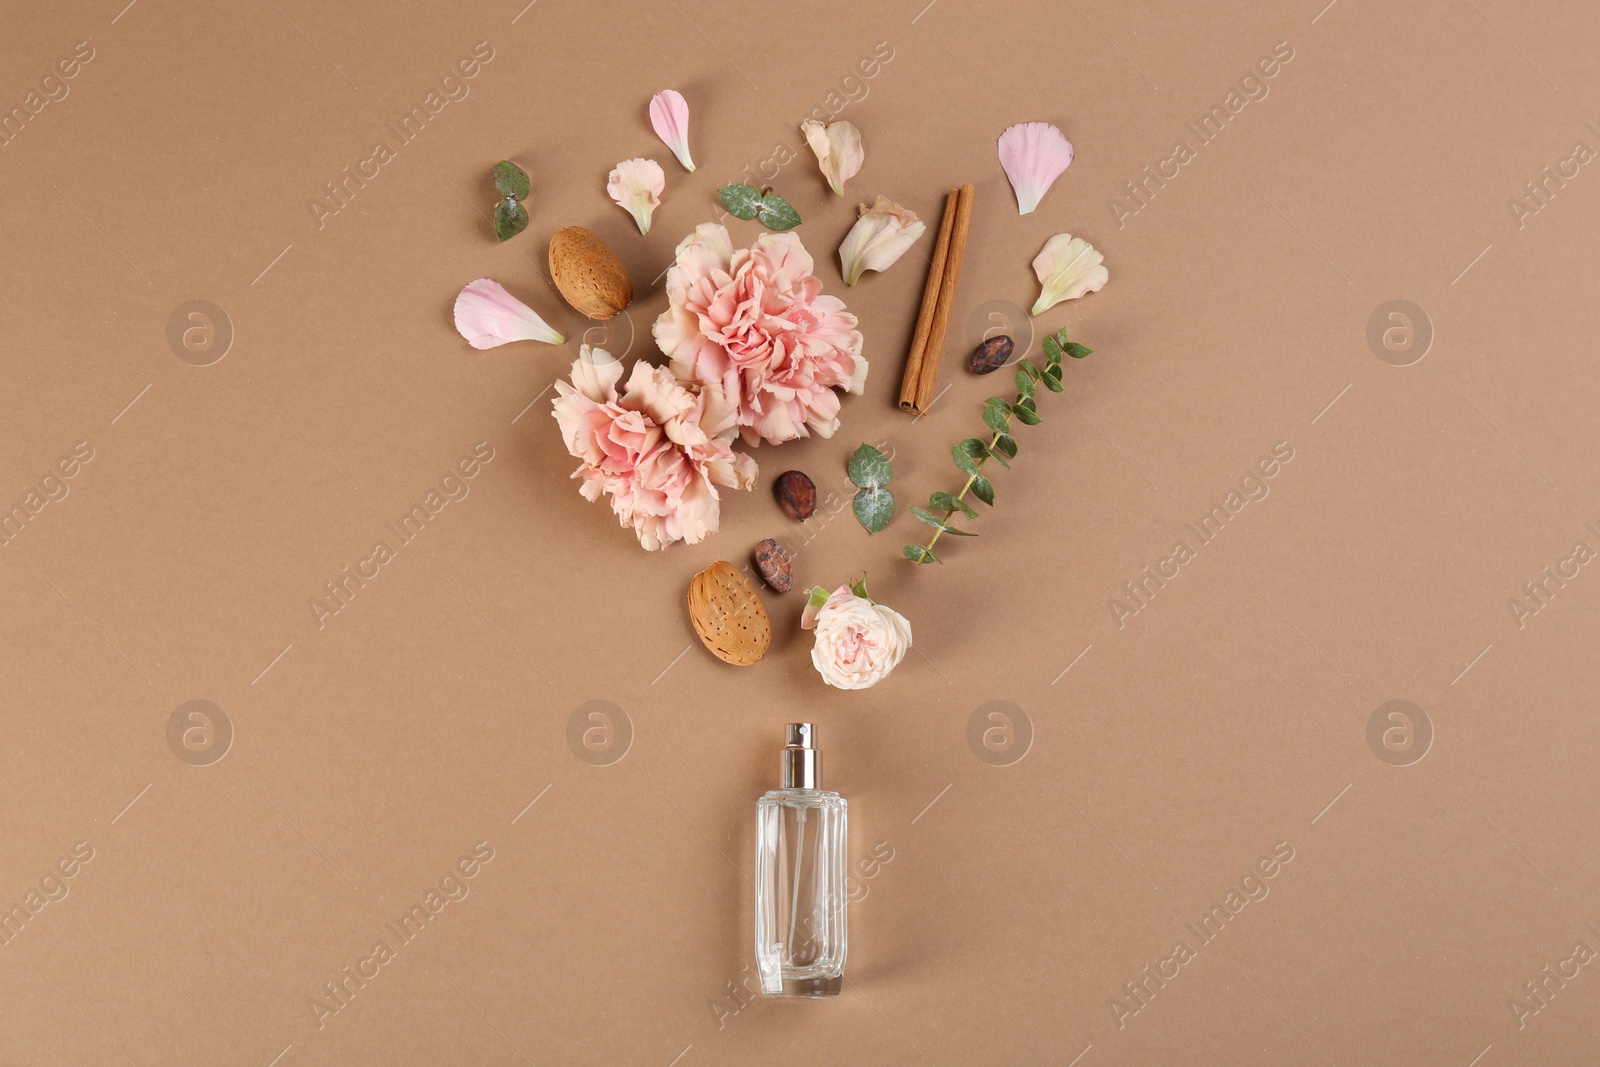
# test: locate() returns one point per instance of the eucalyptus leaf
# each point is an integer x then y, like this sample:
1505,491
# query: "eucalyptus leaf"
777,214
999,402
1029,368
983,489
1052,348
1077,351
510,219
946,502
995,455
874,508
869,468
930,519
1007,444
1025,384
918,555
742,201
1052,380
1028,417
511,180
995,418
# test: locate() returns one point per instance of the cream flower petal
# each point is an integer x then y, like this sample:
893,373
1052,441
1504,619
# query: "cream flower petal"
1068,267
880,236
838,150
1033,155
669,114
488,316
595,373
636,184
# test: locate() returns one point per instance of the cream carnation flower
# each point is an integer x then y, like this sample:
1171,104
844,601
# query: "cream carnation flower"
657,447
756,322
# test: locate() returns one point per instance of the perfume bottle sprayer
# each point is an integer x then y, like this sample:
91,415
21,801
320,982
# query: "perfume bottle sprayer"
802,841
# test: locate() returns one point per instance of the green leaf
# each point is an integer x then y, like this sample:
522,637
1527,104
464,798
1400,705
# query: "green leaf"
742,201
997,457
1028,404
1052,379
1025,384
874,508
817,596
859,586
996,419
1007,444
1052,348
999,402
510,219
1027,417
946,502
983,489
930,519
869,468
918,555
1029,368
966,460
777,214
511,180
1077,351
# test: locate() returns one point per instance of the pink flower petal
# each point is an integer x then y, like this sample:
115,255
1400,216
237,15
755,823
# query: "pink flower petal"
488,316
1033,156
636,185
669,114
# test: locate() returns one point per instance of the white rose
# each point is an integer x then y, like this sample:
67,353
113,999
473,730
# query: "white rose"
858,642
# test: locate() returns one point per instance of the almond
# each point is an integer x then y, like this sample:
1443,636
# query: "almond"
728,615
589,275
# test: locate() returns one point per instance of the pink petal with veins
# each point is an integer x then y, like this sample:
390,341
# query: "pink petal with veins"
1033,155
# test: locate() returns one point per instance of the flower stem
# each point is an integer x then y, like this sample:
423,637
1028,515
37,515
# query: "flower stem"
927,549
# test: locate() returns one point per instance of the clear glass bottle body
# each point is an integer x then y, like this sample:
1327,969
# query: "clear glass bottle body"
802,841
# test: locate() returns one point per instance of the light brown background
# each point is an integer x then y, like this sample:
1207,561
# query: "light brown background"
612,925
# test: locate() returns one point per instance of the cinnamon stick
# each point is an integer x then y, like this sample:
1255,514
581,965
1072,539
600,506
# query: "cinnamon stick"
910,384
947,299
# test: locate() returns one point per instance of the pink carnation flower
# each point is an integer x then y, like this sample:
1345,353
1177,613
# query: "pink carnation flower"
658,448
756,323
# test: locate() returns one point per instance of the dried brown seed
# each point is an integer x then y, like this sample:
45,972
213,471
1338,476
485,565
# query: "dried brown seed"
588,274
797,495
991,355
773,563
728,615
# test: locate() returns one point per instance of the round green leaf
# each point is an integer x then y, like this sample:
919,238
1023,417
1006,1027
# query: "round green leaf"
983,489
964,459
511,180
874,508
777,214
869,468
742,201
918,554
510,219
1027,417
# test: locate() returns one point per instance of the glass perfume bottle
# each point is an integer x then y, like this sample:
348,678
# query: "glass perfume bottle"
802,839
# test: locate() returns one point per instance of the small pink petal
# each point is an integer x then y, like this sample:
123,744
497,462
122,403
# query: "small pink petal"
488,316
1033,155
669,114
636,185
837,147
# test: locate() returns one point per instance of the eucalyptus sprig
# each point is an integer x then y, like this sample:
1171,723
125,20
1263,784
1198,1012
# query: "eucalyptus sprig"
510,217
971,454
747,202
869,472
